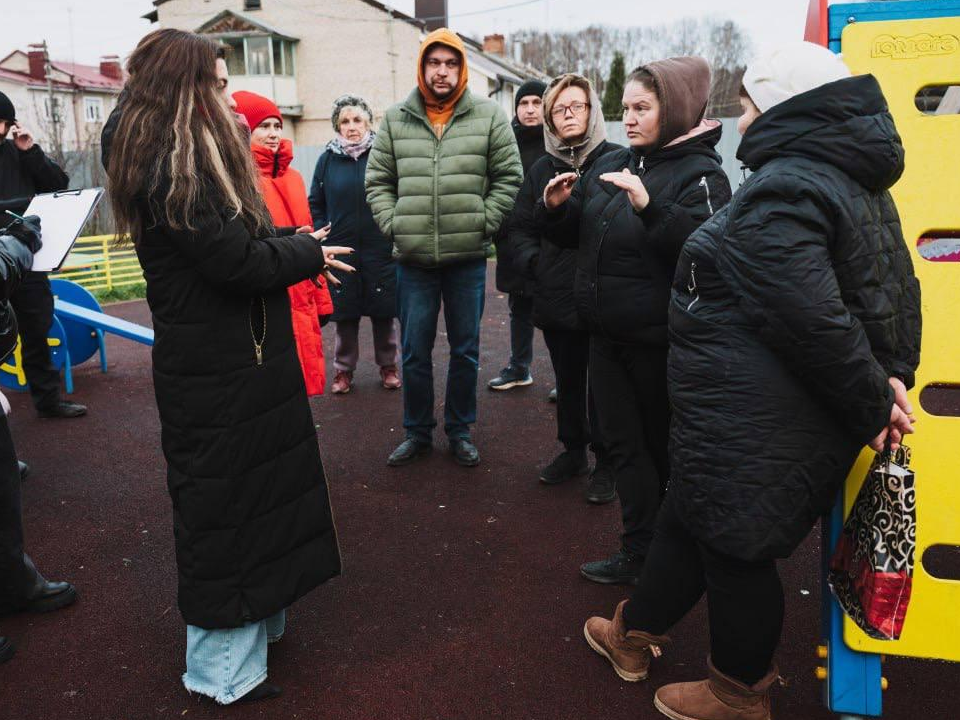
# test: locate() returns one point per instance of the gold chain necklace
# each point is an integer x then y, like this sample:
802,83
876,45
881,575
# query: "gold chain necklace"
258,345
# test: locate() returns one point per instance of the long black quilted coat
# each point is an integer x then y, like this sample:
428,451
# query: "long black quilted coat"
626,260
790,310
251,517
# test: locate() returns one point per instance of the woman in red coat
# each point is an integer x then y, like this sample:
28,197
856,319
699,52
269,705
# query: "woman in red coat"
286,198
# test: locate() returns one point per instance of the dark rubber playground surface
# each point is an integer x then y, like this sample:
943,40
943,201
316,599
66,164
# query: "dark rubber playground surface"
460,597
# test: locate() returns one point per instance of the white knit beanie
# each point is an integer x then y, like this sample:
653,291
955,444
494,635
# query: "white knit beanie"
791,69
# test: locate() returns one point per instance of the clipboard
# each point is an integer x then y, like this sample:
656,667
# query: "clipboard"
62,217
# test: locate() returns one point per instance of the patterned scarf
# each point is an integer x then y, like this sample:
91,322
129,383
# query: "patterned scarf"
341,146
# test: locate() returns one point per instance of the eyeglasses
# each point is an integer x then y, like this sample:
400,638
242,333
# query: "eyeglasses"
577,108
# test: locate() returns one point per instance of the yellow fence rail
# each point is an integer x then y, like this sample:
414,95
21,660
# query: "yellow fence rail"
98,264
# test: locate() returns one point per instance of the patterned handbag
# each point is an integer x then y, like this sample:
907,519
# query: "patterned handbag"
871,571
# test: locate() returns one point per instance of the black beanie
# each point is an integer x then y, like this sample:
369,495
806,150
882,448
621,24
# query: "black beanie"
7,111
530,87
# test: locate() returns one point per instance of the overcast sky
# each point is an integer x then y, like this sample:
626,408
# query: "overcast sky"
86,29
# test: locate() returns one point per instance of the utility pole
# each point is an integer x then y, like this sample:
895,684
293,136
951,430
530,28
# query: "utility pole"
51,98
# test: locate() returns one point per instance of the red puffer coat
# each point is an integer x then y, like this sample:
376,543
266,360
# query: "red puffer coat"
286,198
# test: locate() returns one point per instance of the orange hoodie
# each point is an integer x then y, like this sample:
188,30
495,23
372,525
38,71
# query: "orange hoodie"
439,112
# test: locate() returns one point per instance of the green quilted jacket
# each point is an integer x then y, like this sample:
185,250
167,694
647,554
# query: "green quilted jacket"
442,199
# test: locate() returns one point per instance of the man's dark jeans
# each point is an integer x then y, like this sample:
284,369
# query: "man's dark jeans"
461,288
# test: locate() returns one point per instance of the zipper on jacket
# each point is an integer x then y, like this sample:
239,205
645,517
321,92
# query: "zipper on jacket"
640,168
436,200
276,164
692,285
703,184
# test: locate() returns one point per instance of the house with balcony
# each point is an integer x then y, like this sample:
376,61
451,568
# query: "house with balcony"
305,54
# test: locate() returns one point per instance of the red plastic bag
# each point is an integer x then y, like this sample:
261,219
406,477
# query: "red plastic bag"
871,571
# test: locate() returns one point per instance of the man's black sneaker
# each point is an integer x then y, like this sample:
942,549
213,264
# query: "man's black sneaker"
619,569
408,451
510,377
24,470
565,466
63,409
464,452
602,488
552,396
7,650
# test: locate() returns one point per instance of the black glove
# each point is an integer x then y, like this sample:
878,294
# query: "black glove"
27,231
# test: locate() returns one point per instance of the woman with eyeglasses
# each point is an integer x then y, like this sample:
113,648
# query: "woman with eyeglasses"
629,216
575,138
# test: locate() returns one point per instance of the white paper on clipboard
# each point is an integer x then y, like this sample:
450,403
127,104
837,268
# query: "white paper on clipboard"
62,216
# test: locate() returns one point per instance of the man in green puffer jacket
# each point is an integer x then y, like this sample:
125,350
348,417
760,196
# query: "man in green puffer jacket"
442,176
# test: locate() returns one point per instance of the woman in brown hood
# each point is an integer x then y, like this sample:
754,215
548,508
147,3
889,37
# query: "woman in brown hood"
629,216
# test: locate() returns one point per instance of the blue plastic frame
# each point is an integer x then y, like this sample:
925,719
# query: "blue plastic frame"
842,14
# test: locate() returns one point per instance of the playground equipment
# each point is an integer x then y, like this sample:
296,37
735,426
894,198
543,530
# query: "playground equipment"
913,49
77,332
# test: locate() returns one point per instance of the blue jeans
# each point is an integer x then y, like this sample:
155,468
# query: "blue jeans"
461,288
228,663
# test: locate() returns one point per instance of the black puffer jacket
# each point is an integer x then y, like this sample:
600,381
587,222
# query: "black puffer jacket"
530,142
626,260
550,267
790,310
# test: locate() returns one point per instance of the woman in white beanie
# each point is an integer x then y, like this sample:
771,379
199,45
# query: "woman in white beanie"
795,332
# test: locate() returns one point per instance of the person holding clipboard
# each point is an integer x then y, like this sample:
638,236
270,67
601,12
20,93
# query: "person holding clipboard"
25,171
253,528
22,587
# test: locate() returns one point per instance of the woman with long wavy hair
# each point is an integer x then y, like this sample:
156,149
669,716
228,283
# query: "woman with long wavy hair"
252,522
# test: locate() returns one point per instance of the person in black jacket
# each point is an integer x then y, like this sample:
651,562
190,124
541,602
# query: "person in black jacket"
253,528
25,171
575,138
528,128
629,216
22,587
795,332
337,196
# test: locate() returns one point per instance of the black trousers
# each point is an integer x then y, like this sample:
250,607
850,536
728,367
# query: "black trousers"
521,331
744,599
577,424
17,573
33,303
629,383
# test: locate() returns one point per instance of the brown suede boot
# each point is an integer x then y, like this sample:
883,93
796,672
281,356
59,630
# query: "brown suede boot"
717,698
628,652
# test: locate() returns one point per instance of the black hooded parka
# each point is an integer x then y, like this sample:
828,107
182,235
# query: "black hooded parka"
791,308
626,259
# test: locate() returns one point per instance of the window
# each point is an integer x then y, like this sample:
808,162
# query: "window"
52,109
236,58
93,109
259,55
251,4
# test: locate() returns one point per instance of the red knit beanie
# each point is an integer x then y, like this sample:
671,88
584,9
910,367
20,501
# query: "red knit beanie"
256,108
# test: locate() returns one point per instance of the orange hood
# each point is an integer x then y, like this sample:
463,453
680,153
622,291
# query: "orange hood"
439,112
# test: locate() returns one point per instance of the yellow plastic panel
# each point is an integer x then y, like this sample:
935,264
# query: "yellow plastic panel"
906,55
